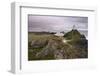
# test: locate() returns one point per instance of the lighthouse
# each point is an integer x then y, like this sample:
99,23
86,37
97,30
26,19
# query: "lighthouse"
74,27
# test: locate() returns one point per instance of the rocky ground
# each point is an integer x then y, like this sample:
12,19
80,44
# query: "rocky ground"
47,47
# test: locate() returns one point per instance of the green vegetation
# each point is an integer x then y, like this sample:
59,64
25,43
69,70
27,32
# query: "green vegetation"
47,46
73,34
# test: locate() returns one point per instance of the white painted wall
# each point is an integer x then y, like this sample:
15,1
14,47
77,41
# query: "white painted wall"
5,33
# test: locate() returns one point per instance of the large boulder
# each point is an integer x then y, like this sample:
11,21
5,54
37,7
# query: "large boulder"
53,50
38,43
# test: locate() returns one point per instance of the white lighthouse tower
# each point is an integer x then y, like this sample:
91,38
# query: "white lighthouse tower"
74,27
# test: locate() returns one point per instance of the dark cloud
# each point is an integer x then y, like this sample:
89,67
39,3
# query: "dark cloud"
55,23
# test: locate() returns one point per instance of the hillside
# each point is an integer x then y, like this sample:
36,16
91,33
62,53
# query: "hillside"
74,34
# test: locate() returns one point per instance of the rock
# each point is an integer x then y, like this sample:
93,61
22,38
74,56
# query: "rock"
52,50
38,43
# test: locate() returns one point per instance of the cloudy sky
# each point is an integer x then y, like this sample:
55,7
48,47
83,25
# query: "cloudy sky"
56,23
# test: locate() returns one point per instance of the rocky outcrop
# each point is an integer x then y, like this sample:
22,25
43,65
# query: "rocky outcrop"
76,46
38,43
53,50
